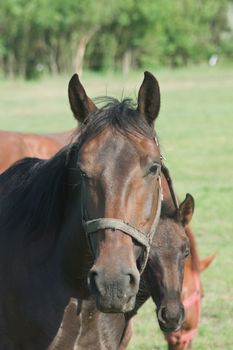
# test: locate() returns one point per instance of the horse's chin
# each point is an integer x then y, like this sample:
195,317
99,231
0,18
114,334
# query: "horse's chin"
109,306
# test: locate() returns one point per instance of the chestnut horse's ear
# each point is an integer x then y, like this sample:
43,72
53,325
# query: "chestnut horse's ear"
149,98
204,263
186,210
81,105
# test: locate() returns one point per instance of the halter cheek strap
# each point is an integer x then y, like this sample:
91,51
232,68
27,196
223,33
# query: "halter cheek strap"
143,238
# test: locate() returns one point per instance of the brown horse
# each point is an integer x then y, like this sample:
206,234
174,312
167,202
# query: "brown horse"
91,210
17,145
191,295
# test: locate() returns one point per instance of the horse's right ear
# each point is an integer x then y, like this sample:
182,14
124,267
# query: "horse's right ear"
81,105
149,98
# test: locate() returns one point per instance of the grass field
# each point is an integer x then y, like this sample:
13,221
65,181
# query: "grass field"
196,132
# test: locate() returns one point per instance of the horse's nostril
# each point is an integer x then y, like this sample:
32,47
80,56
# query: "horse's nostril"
162,314
92,281
132,280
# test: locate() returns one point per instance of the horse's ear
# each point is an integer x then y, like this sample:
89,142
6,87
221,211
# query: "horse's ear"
149,98
204,263
81,105
186,209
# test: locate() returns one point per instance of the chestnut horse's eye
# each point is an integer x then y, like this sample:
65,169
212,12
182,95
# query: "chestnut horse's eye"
186,252
154,168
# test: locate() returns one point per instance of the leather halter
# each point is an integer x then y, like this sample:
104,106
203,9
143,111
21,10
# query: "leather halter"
143,238
185,336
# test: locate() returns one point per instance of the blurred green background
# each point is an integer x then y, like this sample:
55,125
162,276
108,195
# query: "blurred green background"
55,36
188,45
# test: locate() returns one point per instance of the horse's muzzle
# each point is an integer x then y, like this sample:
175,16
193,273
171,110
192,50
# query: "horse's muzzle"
113,293
170,321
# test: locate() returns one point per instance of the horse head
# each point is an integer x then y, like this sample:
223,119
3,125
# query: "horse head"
120,166
165,270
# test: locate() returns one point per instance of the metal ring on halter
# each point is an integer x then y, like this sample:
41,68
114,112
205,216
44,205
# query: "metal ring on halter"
145,239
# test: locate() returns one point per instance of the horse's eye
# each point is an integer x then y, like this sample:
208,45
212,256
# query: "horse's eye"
154,168
186,252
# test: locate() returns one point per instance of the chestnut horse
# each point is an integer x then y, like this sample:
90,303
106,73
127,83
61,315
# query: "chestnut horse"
91,210
17,145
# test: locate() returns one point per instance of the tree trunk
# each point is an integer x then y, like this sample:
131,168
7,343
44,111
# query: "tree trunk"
80,52
127,61
11,64
52,62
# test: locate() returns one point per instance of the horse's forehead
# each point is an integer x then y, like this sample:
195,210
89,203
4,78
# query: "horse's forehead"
170,234
109,143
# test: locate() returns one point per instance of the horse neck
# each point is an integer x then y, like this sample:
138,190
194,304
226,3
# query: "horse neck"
74,250
166,190
99,328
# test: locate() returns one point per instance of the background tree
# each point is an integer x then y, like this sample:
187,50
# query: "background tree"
57,36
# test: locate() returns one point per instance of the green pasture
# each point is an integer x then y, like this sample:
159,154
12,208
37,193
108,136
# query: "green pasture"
195,126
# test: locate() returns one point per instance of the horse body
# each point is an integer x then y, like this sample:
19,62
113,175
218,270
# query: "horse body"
33,295
17,145
21,319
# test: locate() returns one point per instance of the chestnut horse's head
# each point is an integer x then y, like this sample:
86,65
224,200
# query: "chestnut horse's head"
119,162
165,268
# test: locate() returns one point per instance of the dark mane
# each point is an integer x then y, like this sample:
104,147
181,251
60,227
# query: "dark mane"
32,194
119,115
168,209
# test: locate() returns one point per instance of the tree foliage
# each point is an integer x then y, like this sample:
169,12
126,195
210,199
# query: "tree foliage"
57,36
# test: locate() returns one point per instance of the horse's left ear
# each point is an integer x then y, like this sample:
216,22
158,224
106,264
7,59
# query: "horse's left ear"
149,98
81,105
186,209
